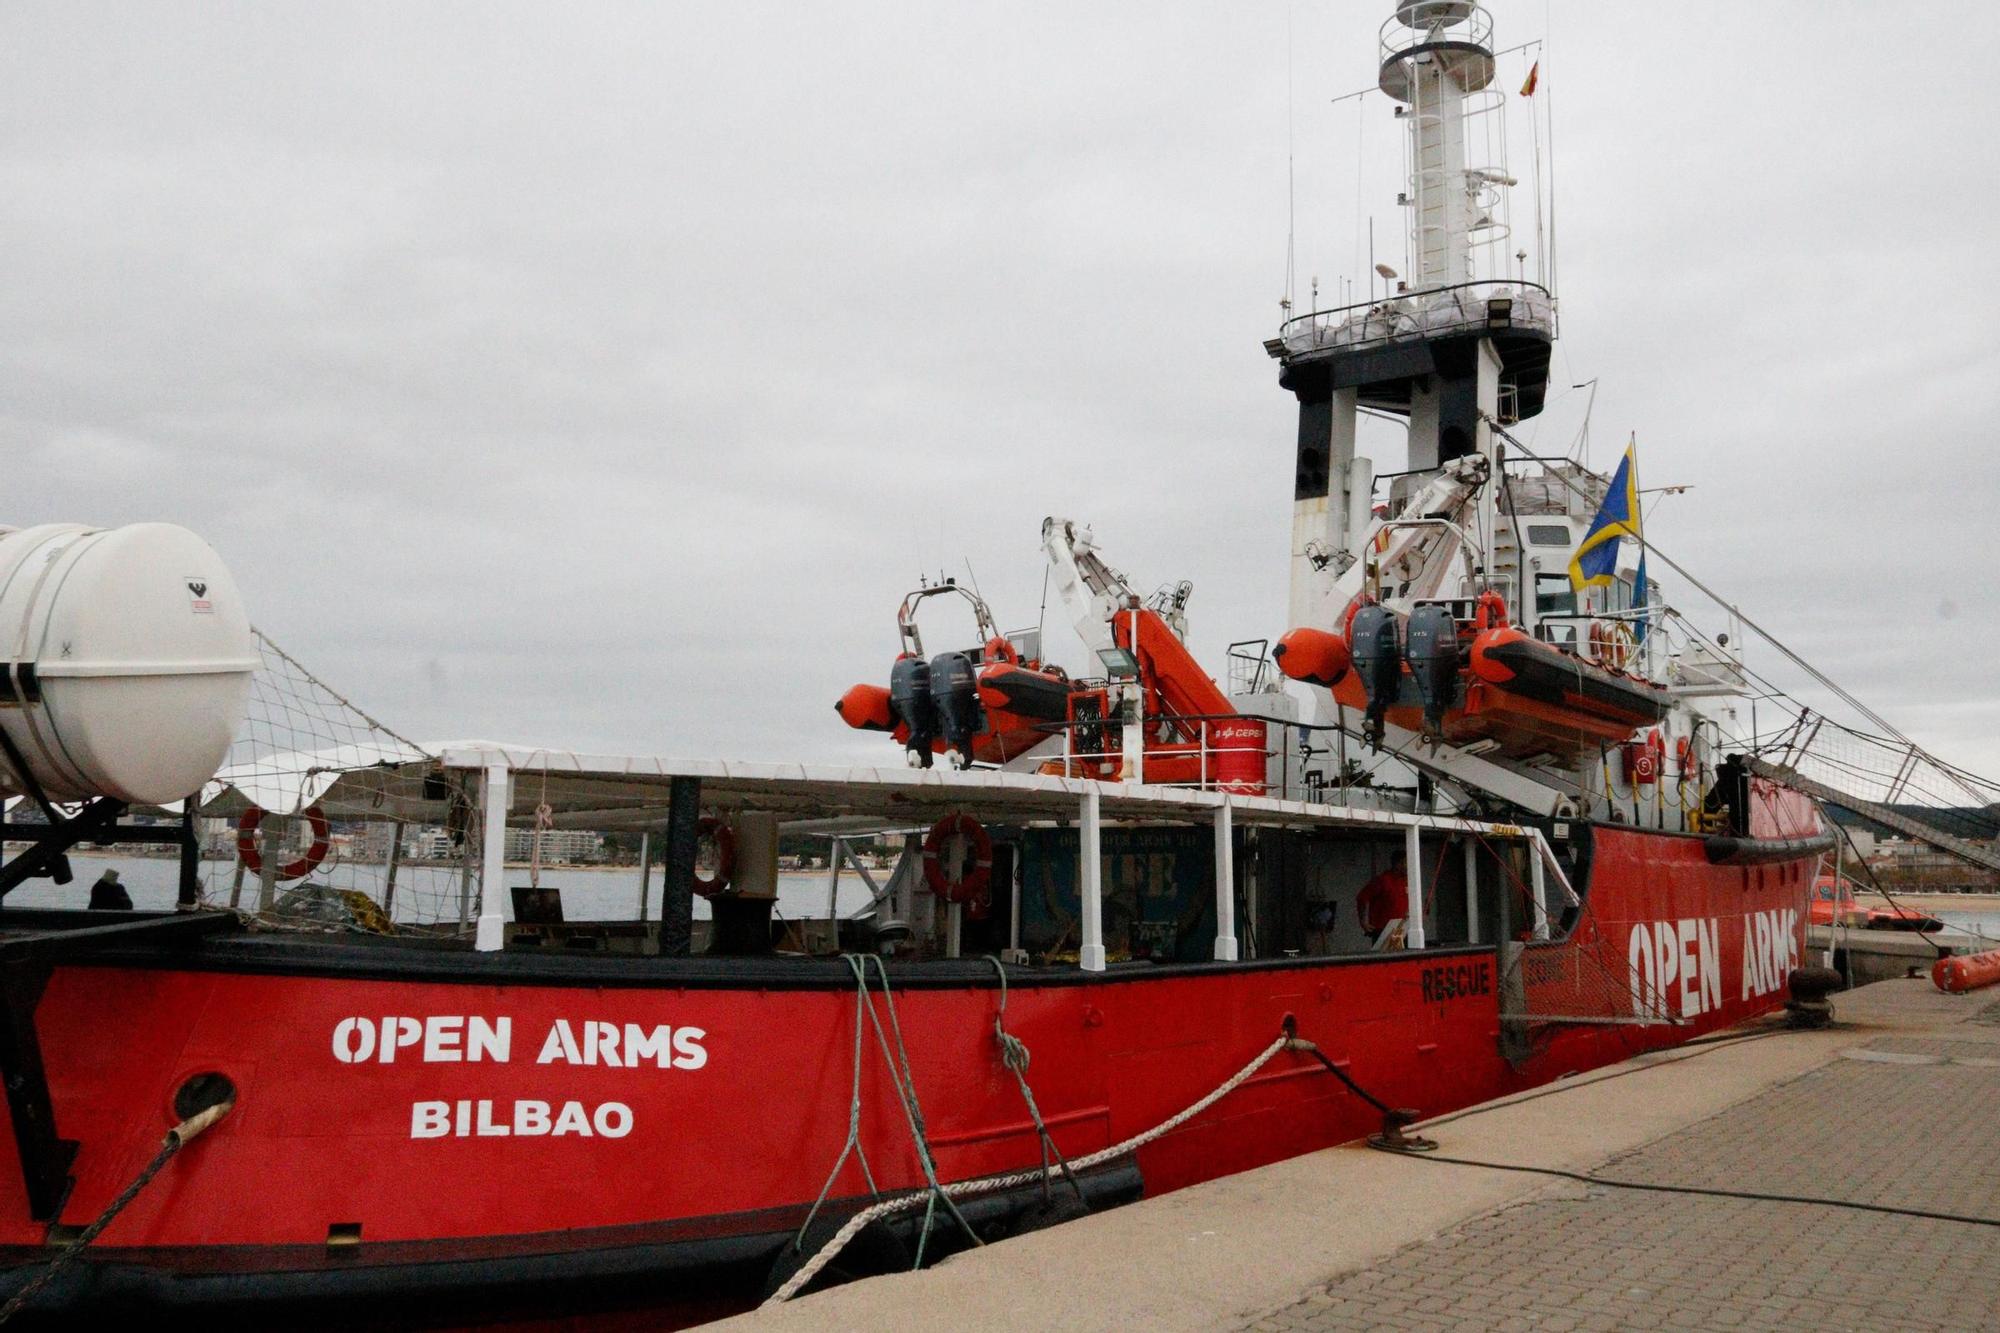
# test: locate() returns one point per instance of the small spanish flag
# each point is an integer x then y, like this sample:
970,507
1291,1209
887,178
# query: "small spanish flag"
1534,77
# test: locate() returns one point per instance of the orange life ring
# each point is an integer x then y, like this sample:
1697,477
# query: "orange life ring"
972,872
1656,755
253,860
1610,644
724,839
1684,755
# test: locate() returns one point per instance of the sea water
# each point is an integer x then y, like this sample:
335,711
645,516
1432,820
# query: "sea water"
1983,924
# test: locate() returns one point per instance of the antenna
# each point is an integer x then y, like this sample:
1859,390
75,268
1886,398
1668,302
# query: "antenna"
1291,175
1579,449
1548,45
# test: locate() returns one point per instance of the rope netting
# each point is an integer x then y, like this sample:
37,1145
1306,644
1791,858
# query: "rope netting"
1891,772
326,817
1946,819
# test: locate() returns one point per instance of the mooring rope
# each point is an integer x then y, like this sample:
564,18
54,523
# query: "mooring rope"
177,1138
987,1184
1301,1044
853,1145
1014,1057
906,1092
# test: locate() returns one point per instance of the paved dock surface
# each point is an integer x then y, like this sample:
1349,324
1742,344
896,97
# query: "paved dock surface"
1891,1108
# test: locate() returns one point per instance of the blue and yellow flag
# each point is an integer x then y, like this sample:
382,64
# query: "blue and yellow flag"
1596,561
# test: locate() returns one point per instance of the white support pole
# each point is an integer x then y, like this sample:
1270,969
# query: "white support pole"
493,798
1225,883
1413,875
954,931
1471,889
1538,881
1090,885
1132,735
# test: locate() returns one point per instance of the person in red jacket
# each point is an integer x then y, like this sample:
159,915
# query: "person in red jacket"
1385,898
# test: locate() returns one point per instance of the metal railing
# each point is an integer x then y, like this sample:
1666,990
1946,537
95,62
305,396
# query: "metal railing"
1417,25
1211,772
1283,739
1489,304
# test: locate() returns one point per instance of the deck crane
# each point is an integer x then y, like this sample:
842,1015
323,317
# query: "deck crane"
1172,699
1409,557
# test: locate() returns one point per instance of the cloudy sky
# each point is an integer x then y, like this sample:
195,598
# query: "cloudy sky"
602,375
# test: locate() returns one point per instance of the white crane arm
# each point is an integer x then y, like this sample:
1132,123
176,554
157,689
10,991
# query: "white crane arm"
1091,589
1415,540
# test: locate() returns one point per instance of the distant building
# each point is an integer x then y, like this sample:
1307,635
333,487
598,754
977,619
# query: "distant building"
559,846
1901,863
431,844
372,839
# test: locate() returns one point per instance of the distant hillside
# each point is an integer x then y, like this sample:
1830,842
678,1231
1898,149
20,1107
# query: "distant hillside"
1963,821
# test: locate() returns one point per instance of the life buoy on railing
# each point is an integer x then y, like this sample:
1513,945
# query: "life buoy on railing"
1683,755
253,860
958,858
1610,644
723,838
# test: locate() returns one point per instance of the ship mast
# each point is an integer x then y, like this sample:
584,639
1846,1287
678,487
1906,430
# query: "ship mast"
1448,350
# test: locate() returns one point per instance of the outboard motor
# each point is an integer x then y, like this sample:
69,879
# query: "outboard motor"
1378,660
910,697
1431,645
955,697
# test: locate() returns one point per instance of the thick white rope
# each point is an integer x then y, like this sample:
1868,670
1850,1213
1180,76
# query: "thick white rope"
986,1184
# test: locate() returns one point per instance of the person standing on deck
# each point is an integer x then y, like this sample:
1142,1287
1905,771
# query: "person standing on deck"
1384,899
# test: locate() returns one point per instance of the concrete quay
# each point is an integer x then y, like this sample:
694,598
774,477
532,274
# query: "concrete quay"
1868,956
1887,1108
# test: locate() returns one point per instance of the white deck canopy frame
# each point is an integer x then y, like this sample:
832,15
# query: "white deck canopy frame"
621,792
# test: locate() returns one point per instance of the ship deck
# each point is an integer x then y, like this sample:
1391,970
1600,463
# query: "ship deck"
1872,1112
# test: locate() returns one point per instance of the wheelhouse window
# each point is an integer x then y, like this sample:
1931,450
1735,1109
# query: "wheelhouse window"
1554,596
1548,534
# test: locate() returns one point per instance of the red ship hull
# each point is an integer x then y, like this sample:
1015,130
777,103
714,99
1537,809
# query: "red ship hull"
484,1158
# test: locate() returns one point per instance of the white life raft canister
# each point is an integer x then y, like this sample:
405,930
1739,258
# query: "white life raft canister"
125,660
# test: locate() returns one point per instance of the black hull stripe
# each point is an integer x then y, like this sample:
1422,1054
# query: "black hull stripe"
1728,850
720,1261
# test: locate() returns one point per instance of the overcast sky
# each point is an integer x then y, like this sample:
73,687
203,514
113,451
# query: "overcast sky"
601,376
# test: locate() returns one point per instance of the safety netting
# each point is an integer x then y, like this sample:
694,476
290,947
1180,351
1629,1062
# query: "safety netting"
325,816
